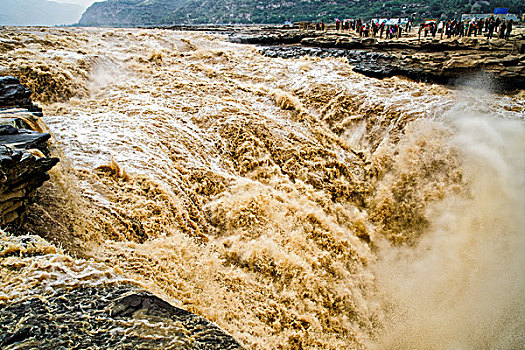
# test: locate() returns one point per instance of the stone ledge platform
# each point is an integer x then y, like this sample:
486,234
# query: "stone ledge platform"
444,61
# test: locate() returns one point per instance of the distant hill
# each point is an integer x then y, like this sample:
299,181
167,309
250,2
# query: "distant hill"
38,12
159,12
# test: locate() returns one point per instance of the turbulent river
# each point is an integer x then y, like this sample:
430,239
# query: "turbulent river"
295,203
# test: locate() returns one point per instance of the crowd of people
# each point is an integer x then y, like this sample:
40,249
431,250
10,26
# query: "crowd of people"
368,29
492,27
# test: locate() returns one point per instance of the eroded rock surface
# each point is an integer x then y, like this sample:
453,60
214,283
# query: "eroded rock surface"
24,153
443,61
49,300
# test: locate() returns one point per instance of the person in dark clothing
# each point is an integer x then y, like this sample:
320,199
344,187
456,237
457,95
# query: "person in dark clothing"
509,29
502,29
491,29
366,30
491,24
480,26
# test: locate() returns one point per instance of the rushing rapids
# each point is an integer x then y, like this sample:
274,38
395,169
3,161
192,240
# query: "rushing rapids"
295,203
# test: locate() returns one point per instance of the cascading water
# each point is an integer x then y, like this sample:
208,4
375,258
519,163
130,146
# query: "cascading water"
461,287
295,203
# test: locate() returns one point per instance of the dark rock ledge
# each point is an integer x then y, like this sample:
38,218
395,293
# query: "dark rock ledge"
447,61
107,316
65,303
24,153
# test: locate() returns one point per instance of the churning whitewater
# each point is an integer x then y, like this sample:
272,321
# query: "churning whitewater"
295,203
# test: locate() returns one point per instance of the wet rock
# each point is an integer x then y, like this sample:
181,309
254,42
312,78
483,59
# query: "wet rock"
13,94
430,62
271,36
25,139
85,305
21,174
429,59
86,317
24,153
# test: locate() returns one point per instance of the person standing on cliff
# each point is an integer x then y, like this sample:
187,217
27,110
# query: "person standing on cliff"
491,25
375,29
502,29
509,29
480,26
472,28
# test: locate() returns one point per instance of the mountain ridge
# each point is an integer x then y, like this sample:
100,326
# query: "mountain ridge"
169,12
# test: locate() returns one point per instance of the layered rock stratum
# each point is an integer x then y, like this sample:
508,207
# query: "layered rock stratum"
24,154
422,59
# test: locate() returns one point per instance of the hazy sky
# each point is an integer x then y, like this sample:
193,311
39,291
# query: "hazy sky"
84,3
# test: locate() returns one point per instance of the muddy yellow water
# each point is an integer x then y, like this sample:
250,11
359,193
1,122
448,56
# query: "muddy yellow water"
295,203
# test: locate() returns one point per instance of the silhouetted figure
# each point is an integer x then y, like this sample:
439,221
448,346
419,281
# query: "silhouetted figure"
509,29
480,26
492,24
502,29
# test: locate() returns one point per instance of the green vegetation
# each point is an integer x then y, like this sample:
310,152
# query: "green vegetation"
157,12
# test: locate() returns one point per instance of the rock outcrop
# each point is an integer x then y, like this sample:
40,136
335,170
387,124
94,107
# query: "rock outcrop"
13,94
50,300
24,153
442,61
272,36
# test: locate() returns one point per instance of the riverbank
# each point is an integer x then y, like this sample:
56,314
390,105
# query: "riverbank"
449,61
